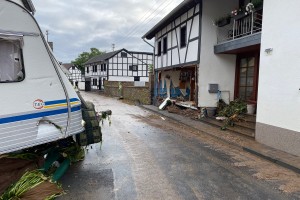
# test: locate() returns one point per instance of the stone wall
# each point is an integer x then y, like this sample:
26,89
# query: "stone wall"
129,91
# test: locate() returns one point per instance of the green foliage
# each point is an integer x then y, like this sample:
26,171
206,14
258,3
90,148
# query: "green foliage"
74,152
232,112
257,3
150,68
85,56
25,155
226,17
28,181
237,106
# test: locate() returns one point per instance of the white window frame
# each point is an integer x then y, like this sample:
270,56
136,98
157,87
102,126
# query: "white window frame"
17,74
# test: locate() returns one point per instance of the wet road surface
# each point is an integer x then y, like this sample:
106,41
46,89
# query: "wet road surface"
144,156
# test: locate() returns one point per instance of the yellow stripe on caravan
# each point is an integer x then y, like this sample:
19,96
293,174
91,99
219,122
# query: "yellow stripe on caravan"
75,102
61,105
56,105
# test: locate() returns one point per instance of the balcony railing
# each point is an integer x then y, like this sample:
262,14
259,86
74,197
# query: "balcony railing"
240,26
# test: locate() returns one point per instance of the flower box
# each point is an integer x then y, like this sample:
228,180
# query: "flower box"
223,22
239,16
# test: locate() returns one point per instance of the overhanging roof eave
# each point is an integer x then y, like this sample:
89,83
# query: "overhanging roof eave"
176,12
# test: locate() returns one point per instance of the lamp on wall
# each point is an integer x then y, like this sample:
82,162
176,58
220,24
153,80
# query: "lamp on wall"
269,51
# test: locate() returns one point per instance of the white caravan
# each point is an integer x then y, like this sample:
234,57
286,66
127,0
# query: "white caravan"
38,104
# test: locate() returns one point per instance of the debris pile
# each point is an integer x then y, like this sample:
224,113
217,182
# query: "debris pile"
34,173
231,112
187,112
180,107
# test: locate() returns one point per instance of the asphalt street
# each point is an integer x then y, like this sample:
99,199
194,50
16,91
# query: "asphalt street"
145,156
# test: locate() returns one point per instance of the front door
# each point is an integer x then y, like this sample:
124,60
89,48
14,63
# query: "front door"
247,77
100,83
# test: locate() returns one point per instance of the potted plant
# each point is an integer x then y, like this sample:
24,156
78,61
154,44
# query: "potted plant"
222,21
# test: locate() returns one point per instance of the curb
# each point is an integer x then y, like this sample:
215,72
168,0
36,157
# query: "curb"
274,160
176,120
246,149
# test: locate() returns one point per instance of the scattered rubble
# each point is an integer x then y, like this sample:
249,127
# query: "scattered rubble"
187,112
178,106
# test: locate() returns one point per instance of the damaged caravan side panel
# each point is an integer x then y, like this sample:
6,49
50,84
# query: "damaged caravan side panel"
38,104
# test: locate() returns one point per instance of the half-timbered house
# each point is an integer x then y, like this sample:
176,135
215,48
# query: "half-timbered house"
121,65
176,57
211,49
74,75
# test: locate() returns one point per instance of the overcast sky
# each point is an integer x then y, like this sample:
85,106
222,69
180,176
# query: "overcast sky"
77,25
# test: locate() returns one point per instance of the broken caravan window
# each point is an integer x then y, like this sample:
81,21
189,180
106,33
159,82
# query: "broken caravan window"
11,59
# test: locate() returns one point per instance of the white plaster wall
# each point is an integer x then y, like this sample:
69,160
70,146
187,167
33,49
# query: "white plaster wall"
120,78
213,68
127,79
81,85
193,47
279,75
195,28
173,38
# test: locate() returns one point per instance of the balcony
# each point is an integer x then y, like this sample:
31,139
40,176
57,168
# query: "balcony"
243,31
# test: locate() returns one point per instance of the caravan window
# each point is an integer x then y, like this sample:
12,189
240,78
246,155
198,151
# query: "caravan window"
11,64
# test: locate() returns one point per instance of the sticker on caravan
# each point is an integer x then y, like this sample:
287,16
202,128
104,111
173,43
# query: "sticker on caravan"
38,104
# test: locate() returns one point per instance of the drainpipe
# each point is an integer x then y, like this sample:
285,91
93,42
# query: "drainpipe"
155,86
148,43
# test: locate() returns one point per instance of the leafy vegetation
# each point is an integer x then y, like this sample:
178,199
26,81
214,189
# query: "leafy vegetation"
257,3
85,56
233,112
73,152
29,181
220,20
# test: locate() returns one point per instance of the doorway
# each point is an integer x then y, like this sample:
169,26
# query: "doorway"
246,85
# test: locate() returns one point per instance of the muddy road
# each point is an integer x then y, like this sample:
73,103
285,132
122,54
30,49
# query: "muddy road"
145,156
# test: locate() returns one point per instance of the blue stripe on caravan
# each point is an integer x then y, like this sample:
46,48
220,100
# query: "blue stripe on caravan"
47,103
75,108
36,115
74,99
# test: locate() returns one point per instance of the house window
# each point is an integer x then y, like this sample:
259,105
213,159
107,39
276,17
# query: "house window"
73,67
165,45
94,68
11,65
103,67
87,69
136,78
94,81
183,36
123,54
133,67
159,48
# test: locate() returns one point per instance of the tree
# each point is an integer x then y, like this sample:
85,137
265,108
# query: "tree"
85,56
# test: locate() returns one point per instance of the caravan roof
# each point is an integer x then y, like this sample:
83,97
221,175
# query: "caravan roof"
26,4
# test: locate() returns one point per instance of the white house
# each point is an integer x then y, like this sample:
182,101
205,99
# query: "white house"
74,75
253,57
176,58
121,65
278,104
